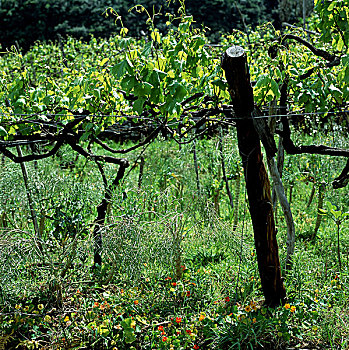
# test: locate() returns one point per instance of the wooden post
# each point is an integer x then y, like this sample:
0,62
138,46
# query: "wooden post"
234,63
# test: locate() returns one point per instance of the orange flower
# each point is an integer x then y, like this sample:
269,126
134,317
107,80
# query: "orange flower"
227,299
178,320
254,320
195,347
188,331
188,293
202,317
247,308
174,284
96,304
136,302
164,339
287,306
293,309
104,305
160,328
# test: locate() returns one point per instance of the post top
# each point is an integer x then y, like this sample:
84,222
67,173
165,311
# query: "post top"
235,51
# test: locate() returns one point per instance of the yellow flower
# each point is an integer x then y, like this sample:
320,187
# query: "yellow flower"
47,318
293,309
40,306
66,318
17,307
254,320
287,306
247,308
202,317
26,308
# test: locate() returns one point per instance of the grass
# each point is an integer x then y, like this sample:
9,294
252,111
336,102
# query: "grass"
175,273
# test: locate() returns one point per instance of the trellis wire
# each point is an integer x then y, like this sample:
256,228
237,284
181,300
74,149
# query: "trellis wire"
142,118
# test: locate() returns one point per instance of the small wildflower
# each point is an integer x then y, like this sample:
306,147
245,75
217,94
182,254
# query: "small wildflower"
40,306
247,308
17,307
202,317
254,320
293,309
164,339
96,304
188,331
196,347
174,284
105,305
47,318
66,319
161,328
136,302
178,320
168,278
188,293
227,299
279,334
287,306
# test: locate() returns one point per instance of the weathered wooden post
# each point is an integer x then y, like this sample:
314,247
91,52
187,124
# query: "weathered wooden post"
234,63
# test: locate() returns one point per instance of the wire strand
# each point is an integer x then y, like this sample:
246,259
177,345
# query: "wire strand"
149,119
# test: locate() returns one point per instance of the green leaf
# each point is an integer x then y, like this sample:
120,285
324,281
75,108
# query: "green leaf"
129,337
220,83
138,105
335,92
180,92
147,49
121,68
3,132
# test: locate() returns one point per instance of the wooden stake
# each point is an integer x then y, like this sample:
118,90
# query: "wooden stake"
234,63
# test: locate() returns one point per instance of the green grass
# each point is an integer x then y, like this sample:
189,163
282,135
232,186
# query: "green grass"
175,274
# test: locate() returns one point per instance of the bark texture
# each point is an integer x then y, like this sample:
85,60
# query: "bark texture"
234,63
